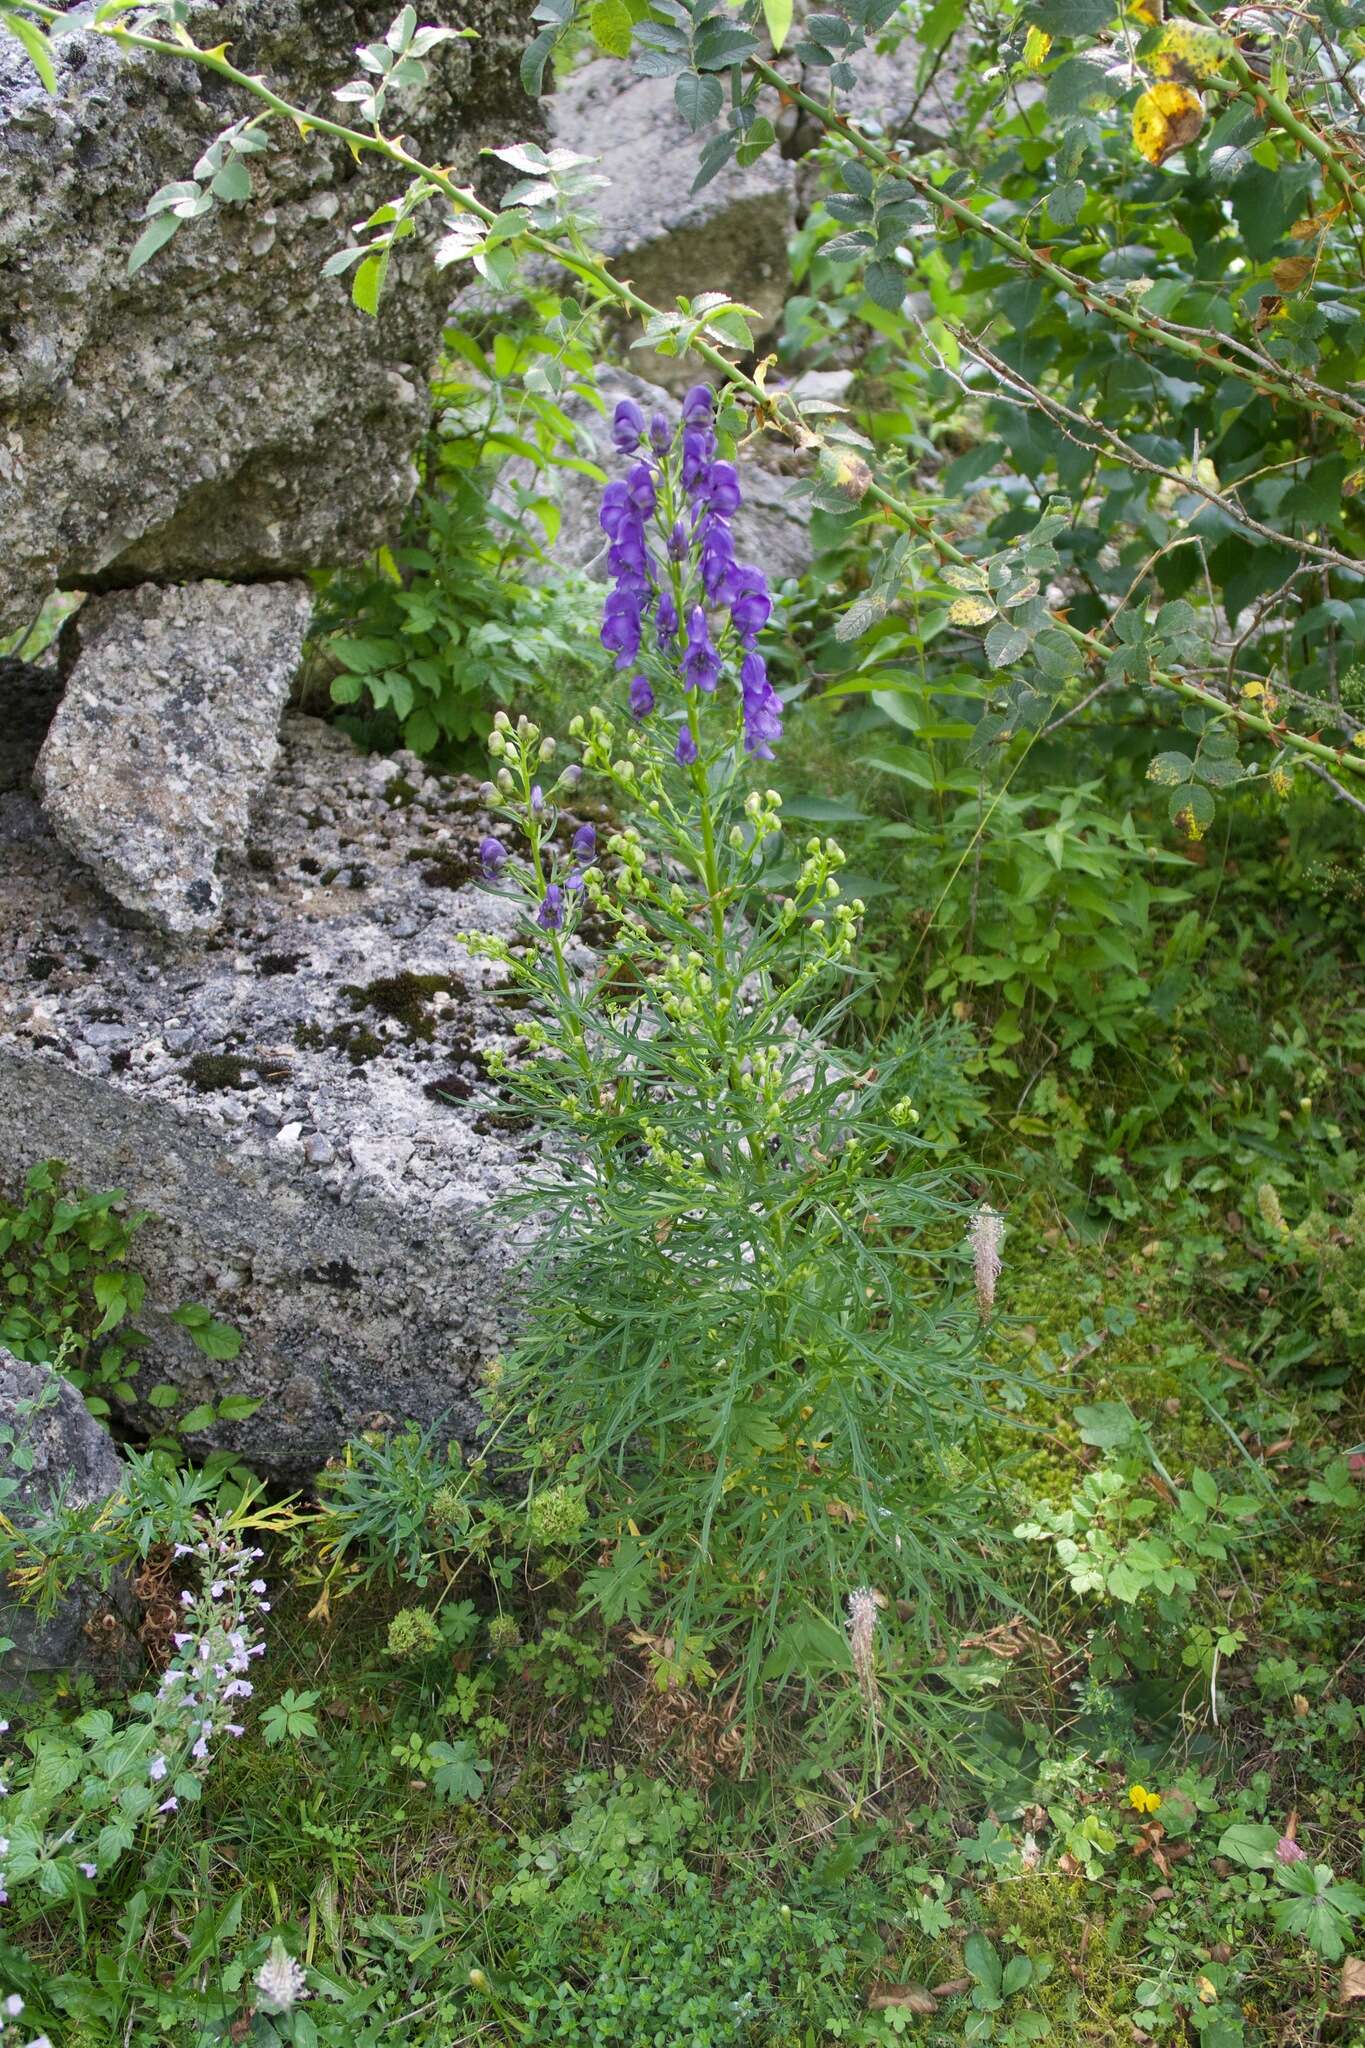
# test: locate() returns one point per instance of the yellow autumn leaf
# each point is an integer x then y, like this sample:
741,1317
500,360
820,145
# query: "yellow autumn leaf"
1187,52
1150,11
1165,119
970,611
1208,1991
1037,43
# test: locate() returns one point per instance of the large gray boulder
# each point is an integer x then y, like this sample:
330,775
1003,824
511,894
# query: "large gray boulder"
51,1448
297,1104
166,734
226,411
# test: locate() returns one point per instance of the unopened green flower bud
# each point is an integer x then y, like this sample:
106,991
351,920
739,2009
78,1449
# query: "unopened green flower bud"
547,748
497,745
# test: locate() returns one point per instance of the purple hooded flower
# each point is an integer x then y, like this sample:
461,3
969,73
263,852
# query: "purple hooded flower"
640,487
659,436
699,446
698,404
585,842
616,507
723,492
716,557
701,663
627,426
750,602
685,753
677,542
1287,1850
492,854
762,708
550,916
621,626
641,697
667,624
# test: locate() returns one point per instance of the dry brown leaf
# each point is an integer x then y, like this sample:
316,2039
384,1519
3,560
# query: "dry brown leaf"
954,1987
910,1997
1352,1979
1291,272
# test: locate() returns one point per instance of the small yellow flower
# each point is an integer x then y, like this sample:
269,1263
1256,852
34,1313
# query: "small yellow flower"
1142,1800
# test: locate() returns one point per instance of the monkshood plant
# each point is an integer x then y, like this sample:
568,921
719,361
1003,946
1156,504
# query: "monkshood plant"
745,1337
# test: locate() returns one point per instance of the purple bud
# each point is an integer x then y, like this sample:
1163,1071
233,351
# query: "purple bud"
641,697
1287,1850
698,404
685,753
492,854
659,436
627,425
550,916
677,541
537,799
585,842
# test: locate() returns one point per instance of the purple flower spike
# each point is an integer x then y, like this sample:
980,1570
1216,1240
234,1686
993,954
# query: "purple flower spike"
585,842
685,753
492,854
627,426
550,916
641,697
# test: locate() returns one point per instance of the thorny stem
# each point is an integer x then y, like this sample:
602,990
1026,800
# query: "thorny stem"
772,407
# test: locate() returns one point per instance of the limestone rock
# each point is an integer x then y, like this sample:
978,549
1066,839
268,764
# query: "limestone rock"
166,734
226,411
298,1104
772,527
730,236
51,1446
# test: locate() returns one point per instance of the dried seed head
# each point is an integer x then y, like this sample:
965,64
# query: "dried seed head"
862,1631
986,1236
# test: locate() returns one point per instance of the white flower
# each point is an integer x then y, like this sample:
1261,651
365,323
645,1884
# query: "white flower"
280,1983
985,1237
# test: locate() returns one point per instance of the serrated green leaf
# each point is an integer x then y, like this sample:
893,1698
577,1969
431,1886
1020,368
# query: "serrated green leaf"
698,98
610,23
